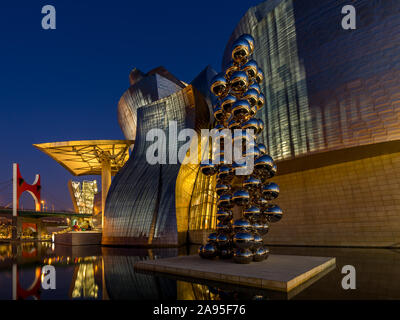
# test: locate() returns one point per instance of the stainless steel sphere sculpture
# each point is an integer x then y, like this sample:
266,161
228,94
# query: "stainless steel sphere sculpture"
248,197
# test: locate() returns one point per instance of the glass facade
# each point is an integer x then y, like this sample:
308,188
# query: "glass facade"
326,88
82,195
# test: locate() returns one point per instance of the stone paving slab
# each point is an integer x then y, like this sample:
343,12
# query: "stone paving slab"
278,272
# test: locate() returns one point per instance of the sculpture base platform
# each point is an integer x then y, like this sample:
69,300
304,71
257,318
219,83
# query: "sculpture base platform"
278,272
79,238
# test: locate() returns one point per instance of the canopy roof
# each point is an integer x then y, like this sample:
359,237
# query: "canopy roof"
86,157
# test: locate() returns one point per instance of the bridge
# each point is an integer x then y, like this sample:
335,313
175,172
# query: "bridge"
5,212
31,219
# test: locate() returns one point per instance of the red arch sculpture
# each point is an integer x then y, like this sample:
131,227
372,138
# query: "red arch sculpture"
20,186
20,293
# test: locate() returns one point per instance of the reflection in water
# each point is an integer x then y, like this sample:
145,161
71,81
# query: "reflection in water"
84,280
197,291
122,282
21,293
108,273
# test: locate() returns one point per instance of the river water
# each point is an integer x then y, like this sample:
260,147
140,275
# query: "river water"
95,272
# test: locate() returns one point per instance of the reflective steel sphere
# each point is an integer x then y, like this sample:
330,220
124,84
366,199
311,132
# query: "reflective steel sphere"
262,202
218,140
223,240
251,96
273,171
252,152
270,191
222,188
268,174
224,201
208,168
224,227
243,240
250,41
258,241
260,126
250,67
260,101
219,85
264,163
251,124
238,166
227,103
208,251
262,148
242,135
220,159
231,68
251,183
241,197
257,227
259,75
234,124
224,215
239,81
255,86
240,50
261,254
200,250
274,213
253,111
219,113
242,225
263,230
243,256
212,238
252,212
241,109
225,253
225,173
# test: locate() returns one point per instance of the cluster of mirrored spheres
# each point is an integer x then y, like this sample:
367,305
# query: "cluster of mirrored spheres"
246,196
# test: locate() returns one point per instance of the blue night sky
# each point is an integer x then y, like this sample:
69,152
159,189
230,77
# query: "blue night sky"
64,84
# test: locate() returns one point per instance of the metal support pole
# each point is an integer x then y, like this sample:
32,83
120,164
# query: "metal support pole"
105,185
15,196
14,281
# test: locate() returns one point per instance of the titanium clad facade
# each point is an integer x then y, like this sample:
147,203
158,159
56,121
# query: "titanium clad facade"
332,116
144,89
326,88
202,83
141,207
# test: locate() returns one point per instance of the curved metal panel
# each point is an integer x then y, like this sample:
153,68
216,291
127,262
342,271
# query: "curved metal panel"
326,88
141,207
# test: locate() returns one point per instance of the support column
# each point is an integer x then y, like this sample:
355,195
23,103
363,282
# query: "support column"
105,185
15,195
14,279
15,234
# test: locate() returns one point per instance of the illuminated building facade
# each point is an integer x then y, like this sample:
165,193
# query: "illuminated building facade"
150,205
332,116
82,195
